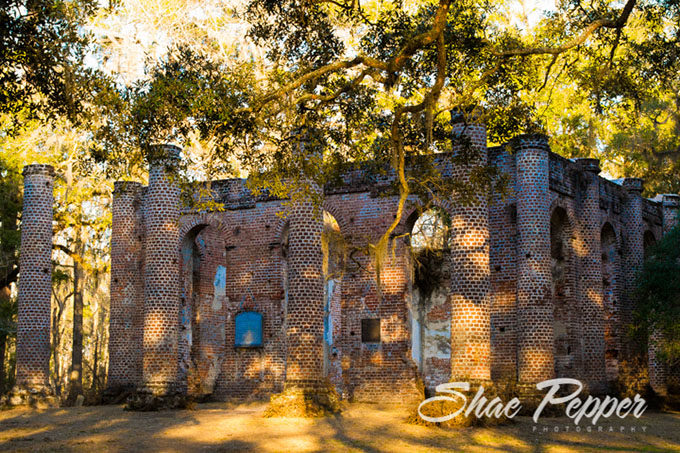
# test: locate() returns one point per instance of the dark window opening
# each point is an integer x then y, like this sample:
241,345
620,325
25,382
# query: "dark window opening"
370,330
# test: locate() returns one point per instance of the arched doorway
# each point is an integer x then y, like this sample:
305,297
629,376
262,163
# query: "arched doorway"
610,287
333,248
565,314
202,315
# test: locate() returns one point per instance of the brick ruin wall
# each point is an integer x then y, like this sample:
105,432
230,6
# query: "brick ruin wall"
548,297
533,285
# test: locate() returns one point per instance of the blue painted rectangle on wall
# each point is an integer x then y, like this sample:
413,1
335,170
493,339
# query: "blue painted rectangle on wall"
248,330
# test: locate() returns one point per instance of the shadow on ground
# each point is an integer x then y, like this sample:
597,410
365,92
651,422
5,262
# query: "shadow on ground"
360,428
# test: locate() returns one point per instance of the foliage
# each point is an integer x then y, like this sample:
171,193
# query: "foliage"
294,95
42,55
658,297
617,99
345,85
82,206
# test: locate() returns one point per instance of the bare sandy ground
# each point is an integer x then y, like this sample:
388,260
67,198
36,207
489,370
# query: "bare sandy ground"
361,427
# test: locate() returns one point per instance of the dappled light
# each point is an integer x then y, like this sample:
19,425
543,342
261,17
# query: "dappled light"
360,427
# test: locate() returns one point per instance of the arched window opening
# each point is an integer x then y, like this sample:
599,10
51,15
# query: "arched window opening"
429,306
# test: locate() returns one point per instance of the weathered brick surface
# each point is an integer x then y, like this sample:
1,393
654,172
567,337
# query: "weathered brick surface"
160,346
534,298
35,281
305,288
590,290
127,287
503,262
611,291
529,293
633,242
470,272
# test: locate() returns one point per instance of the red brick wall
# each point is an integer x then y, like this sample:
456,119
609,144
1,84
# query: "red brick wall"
374,371
35,280
503,263
502,279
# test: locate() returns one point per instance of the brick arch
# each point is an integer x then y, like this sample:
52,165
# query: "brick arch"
648,240
281,224
559,203
617,234
408,221
208,219
566,316
339,214
194,232
611,296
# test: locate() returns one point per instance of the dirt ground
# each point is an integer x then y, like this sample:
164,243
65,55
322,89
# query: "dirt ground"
361,427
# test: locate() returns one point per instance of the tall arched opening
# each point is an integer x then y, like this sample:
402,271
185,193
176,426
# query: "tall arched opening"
566,314
429,306
611,267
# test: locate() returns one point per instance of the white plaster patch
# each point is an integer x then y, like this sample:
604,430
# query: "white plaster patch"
220,285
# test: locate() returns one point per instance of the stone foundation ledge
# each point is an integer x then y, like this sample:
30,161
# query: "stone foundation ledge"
38,397
305,399
153,399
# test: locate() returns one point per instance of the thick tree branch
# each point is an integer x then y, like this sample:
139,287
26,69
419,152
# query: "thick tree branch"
392,66
617,24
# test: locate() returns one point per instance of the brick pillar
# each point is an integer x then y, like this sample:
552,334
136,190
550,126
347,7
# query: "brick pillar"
671,211
470,273
535,339
304,319
160,372
590,290
35,279
126,281
633,245
35,285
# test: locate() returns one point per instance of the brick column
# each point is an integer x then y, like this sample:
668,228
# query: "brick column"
633,245
126,281
535,339
671,211
307,392
160,372
590,290
35,287
304,319
470,273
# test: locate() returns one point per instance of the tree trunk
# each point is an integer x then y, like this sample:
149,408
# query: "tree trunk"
76,372
56,343
3,345
5,294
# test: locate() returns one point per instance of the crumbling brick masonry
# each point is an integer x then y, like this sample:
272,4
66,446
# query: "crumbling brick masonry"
243,302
